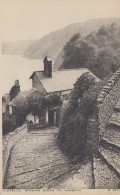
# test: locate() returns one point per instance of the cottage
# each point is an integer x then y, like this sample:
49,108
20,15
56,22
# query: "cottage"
21,101
59,82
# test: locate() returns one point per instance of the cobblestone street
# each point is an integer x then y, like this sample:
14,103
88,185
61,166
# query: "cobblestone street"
37,162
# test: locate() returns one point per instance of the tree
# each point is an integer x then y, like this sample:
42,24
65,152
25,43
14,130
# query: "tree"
99,52
26,102
103,31
68,48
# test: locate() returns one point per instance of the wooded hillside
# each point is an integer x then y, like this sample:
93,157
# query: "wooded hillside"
99,51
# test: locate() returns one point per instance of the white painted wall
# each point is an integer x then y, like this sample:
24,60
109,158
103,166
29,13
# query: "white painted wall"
10,109
36,119
30,117
47,116
54,117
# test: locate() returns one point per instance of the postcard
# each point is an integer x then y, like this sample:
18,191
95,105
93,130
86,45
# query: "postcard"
60,96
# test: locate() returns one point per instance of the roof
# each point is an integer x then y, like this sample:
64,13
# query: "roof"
61,80
21,98
40,74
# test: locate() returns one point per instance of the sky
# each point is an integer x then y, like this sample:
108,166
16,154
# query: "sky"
32,19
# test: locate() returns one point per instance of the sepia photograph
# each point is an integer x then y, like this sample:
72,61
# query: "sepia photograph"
60,94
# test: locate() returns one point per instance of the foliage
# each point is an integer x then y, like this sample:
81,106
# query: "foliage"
99,52
82,84
8,123
68,48
72,134
34,101
26,102
52,99
75,113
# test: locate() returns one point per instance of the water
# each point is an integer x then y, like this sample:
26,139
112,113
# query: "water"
17,67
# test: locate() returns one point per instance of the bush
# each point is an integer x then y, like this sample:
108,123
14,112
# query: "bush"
75,114
9,123
20,118
72,134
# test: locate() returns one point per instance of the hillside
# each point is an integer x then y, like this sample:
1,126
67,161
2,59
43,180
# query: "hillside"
88,27
98,51
50,44
53,43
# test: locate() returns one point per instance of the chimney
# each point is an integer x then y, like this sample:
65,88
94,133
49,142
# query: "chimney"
15,90
17,86
47,67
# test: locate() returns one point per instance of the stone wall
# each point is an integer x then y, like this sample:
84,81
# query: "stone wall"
107,99
8,142
106,102
92,136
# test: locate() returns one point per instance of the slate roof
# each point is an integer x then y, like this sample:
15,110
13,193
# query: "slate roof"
61,80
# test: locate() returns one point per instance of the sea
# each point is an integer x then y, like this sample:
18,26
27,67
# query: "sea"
15,67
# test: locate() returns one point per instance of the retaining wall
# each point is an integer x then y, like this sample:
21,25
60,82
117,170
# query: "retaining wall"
107,99
8,142
92,136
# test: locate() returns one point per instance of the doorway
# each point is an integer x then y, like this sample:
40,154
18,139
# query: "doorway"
51,117
58,117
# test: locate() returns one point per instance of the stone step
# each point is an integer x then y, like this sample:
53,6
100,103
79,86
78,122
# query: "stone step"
112,157
115,119
104,176
81,178
39,179
112,136
117,107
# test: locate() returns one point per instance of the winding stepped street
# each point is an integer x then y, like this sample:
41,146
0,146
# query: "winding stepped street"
37,162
